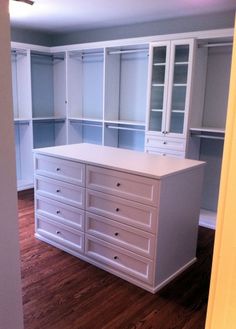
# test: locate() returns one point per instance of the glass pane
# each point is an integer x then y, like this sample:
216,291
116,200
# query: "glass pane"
158,74
157,97
180,73
181,53
155,121
159,55
178,98
177,123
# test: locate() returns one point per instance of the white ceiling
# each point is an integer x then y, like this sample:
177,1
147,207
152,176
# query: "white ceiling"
69,15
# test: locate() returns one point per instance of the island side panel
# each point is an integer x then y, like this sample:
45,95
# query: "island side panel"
177,229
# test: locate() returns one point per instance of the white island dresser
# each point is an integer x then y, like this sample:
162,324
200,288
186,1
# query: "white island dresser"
132,214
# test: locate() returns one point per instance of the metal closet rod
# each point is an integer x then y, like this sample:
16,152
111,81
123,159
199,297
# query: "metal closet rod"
124,128
47,55
82,54
217,44
208,136
128,51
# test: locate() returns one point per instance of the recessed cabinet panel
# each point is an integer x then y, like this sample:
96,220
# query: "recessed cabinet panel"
129,186
119,259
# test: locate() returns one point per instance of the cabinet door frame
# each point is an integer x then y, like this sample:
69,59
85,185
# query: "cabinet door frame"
149,84
174,43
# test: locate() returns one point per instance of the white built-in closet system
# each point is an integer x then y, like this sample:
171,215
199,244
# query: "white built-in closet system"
164,94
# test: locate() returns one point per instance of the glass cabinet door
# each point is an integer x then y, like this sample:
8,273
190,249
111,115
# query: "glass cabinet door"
177,99
158,87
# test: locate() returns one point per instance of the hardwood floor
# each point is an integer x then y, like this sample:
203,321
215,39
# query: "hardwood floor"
63,292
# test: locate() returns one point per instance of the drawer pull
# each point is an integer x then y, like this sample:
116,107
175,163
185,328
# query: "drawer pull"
117,209
58,212
116,233
58,191
117,184
58,169
116,257
58,232
164,142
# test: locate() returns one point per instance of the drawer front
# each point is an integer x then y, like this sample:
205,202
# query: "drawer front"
119,259
171,153
65,170
60,191
63,213
122,235
165,143
124,211
60,233
129,186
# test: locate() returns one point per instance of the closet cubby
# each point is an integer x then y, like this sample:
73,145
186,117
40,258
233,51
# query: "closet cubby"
207,135
21,91
85,84
48,83
125,96
84,131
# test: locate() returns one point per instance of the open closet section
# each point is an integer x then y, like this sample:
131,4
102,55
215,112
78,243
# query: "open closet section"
48,99
206,139
21,89
125,96
85,74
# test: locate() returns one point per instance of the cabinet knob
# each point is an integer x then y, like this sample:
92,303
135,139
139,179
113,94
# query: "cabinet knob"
58,212
115,257
58,232
163,132
164,154
58,191
58,169
117,209
118,184
116,233
164,142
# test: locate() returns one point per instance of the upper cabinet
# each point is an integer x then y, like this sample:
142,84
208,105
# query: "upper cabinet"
169,87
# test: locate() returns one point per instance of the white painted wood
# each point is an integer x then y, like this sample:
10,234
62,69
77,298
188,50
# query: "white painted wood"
60,191
123,233
124,185
60,212
142,164
207,219
119,234
60,233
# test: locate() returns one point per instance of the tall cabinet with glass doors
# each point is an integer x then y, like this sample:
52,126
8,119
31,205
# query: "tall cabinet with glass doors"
170,74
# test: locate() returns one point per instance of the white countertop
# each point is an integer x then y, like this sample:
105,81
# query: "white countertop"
150,165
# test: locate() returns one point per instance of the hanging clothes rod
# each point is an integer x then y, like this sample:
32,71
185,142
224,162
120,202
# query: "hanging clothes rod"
81,55
217,44
18,52
47,55
85,124
128,51
124,128
208,136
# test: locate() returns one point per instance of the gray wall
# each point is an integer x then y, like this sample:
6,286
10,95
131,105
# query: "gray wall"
177,25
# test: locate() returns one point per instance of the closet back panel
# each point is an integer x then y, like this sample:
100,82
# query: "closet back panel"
217,86
93,87
42,86
133,140
59,87
82,133
75,90
211,151
133,86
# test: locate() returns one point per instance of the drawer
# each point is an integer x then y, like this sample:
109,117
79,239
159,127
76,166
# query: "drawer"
120,234
171,153
65,170
59,233
63,213
124,211
165,143
119,259
132,187
60,191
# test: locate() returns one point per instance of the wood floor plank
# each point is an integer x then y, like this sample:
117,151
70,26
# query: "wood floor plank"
63,292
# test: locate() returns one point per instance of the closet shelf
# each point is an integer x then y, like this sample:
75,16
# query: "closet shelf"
22,121
84,119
